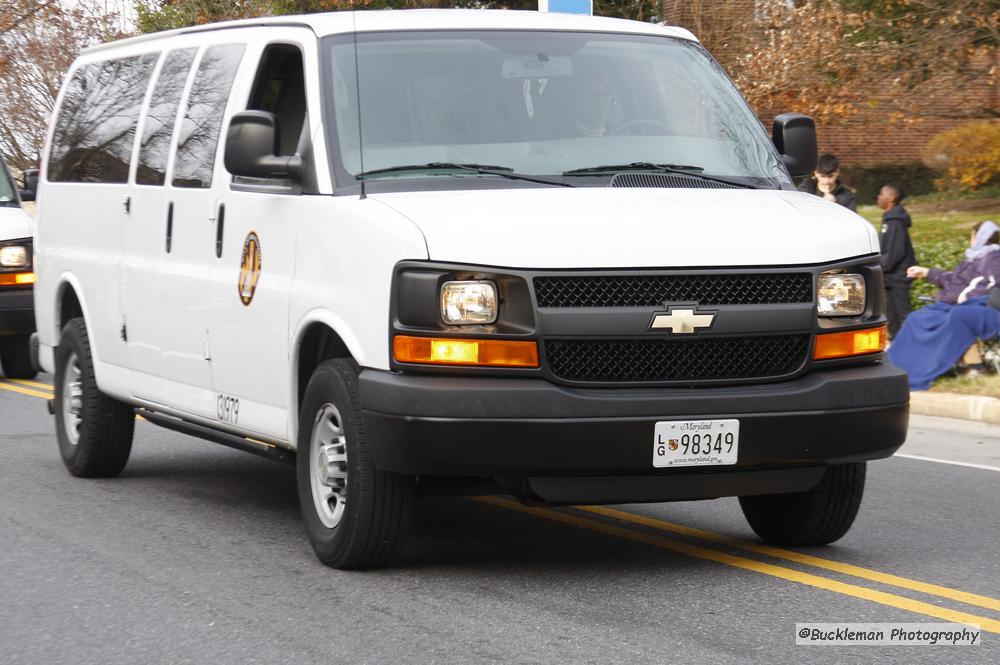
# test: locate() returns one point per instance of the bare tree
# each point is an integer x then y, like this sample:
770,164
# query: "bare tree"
38,42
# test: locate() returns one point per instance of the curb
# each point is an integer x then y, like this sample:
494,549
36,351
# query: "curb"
950,405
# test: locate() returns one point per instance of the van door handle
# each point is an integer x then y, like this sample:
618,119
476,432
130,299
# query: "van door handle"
170,225
220,225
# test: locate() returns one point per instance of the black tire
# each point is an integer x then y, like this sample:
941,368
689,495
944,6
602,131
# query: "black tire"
375,516
15,356
817,517
103,439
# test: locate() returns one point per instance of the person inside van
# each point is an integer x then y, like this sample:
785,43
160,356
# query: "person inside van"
826,183
933,338
593,100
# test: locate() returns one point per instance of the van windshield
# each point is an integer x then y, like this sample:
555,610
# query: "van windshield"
563,105
7,195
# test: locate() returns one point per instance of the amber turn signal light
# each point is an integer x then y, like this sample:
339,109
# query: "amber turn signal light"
449,351
850,343
17,279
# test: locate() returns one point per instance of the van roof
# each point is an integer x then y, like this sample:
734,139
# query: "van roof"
424,19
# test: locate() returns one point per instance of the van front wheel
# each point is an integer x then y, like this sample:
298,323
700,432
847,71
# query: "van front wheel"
356,516
94,430
816,517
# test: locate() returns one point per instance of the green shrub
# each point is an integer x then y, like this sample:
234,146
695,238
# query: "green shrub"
914,177
968,155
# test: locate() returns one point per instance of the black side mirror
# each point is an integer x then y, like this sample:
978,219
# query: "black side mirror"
30,185
794,136
252,148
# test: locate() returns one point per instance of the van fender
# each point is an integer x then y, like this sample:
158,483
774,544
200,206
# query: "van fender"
338,326
66,281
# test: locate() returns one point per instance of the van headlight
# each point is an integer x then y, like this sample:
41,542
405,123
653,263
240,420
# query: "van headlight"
469,302
841,295
14,256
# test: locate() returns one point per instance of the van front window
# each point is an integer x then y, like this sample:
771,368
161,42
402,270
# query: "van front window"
562,105
7,197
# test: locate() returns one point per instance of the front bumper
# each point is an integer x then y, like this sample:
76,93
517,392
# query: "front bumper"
574,444
17,311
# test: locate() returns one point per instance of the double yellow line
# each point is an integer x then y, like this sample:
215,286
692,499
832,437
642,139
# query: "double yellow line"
651,531
645,537
27,387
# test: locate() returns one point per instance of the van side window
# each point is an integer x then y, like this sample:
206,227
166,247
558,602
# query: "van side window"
280,89
158,126
95,128
199,132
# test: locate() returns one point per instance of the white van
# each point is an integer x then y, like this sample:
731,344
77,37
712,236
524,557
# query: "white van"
17,277
459,251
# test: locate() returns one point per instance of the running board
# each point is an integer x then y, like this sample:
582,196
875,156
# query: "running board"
253,446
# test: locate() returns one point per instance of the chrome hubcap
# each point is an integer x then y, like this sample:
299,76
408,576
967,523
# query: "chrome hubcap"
328,465
72,399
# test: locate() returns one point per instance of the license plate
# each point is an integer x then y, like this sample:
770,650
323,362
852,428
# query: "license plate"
695,442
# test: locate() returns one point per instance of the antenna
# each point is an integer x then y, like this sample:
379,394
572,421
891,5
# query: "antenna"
357,88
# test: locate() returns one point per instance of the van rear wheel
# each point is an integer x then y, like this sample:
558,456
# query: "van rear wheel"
816,517
15,357
94,430
355,515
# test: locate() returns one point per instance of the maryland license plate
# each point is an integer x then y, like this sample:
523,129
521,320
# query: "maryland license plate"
695,442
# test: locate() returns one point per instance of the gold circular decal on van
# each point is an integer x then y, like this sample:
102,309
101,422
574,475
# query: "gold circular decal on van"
249,268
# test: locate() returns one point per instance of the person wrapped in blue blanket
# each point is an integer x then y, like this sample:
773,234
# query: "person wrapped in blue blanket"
933,338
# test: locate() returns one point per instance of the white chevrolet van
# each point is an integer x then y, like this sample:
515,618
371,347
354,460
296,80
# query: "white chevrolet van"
473,252
17,277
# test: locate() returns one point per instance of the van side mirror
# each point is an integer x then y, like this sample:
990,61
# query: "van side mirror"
29,182
794,136
252,148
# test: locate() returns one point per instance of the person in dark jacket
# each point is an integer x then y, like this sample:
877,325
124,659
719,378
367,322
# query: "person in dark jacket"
826,183
897,255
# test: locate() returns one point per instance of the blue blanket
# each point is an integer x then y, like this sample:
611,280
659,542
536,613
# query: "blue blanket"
934,337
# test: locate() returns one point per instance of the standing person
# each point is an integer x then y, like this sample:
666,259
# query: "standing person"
826,183
897,255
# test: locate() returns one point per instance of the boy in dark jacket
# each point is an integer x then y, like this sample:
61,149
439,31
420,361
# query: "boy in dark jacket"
897,255
826,183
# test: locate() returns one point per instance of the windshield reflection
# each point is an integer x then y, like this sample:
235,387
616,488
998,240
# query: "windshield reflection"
540,103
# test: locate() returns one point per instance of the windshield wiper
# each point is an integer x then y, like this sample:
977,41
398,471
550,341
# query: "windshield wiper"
682,169
482,169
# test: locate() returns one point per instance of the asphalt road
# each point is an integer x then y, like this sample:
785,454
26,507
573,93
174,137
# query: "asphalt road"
196,554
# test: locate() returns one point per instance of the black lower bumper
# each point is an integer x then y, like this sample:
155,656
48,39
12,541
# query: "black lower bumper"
17,311
530,428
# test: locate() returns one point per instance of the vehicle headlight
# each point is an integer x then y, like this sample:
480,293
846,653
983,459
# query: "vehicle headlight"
841,295
469,302
14,256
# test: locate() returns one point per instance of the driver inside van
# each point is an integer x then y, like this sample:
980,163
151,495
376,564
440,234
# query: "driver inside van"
593,100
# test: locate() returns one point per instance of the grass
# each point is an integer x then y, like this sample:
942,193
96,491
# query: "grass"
984,384
941,220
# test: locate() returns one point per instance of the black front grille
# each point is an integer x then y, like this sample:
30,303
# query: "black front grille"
654,360
665,181
654,290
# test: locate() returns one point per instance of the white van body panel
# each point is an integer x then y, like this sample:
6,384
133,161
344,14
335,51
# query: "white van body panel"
15,223
343,267
418,19
641,228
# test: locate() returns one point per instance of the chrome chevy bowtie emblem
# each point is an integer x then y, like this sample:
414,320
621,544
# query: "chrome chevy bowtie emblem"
681,321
